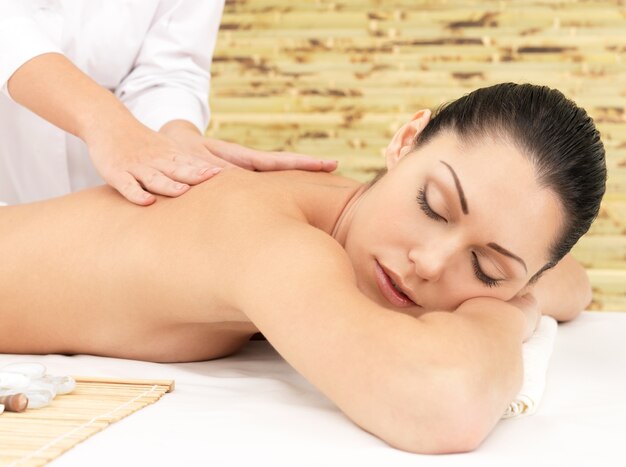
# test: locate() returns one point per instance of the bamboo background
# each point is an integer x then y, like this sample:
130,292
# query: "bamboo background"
336,79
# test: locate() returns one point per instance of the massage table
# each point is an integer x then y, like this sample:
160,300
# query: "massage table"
253,409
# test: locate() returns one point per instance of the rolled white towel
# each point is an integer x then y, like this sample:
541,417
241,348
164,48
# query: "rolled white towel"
536,353
3,203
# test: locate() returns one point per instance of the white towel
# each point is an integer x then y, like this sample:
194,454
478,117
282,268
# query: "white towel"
536,354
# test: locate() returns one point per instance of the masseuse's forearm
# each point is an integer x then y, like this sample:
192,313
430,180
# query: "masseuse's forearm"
51,86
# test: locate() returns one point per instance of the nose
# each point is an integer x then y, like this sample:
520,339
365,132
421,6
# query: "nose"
430,260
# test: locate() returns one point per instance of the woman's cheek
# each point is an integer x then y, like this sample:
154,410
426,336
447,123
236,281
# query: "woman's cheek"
463,290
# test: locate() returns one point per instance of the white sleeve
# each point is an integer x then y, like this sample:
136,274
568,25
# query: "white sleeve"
21,37
170,79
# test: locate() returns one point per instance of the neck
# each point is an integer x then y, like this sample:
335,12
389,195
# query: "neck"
342,225
326,200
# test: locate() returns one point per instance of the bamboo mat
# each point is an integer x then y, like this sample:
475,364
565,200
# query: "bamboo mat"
37,436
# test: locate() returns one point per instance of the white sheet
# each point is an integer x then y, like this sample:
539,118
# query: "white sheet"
253,409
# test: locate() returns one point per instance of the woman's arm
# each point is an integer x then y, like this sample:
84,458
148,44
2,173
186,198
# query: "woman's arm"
434,384
563,291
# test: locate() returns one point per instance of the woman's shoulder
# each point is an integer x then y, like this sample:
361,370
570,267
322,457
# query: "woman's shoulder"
316,197
285,181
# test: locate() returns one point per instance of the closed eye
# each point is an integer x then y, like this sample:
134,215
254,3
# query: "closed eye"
478,272
423,202
481,276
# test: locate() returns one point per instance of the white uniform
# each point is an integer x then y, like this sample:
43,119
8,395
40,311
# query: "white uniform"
155,55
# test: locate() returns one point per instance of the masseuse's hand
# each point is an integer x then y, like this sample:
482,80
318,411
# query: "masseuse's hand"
221,153
140,163
530,307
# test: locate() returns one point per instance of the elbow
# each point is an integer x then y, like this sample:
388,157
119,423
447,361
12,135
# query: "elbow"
454,424
456,409
449,444
448,401
587,295
447,434
585,292
582,284
585,301
583,297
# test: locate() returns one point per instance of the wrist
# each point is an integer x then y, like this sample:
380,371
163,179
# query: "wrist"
114,123
178,127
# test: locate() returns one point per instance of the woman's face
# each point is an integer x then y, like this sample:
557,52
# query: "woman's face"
448,223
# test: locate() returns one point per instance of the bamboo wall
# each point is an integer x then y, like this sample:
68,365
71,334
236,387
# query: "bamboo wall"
337,78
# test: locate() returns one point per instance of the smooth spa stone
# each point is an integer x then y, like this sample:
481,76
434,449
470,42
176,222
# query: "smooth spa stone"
13,381
38,399
40,385
39,393
62,384
31,369
31,379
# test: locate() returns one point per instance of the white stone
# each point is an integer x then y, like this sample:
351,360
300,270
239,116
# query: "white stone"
42,385
62,384
11,381
38,399
30,369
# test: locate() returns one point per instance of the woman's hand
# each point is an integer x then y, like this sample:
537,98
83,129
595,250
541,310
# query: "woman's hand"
530,308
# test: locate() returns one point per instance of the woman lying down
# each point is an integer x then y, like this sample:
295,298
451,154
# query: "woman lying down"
405,300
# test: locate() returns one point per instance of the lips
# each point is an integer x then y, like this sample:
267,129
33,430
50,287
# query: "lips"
393,294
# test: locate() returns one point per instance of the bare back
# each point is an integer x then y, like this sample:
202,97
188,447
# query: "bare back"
92,273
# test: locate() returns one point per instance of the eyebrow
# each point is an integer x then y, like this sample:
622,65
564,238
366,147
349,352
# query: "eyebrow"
499,249
459,189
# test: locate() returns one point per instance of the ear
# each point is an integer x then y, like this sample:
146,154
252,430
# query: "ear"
402,142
